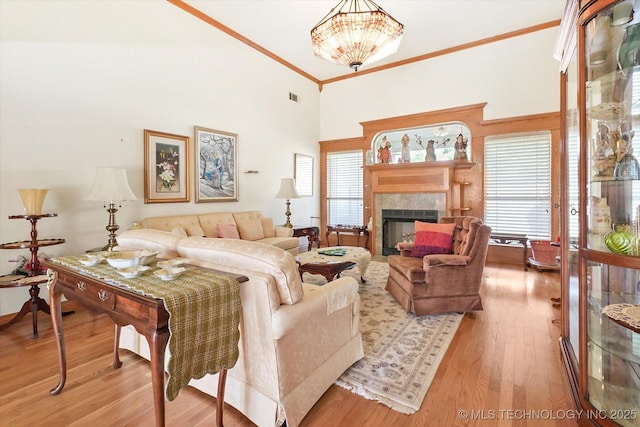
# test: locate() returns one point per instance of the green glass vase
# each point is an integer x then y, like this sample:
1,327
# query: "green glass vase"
629,53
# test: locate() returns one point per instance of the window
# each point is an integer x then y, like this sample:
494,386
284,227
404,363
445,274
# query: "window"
344,188
518,184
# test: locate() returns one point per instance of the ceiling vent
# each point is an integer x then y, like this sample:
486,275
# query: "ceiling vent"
293,97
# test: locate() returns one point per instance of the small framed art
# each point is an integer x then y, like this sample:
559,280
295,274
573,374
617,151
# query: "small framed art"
303,173
216,171
166,167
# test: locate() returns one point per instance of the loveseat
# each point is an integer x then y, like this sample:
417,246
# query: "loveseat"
247,225
296,339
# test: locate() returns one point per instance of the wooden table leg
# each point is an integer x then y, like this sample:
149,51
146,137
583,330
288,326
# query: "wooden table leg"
56,319
222,380
157,343
116,344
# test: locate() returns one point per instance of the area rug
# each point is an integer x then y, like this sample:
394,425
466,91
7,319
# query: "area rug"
401,351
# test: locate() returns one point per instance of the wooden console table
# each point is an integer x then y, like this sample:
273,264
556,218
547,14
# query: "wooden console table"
312,233
125,307
353,230
515,239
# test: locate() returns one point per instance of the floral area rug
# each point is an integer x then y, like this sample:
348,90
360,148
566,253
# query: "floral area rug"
401,351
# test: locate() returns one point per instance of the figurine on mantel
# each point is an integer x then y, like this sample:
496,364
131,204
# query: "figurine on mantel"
461,148
430,155
384,151
405,156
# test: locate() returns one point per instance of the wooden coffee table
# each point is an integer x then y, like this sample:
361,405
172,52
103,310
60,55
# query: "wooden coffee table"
331,266
328,269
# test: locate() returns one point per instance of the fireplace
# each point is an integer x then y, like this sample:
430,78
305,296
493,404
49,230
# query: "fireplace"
396,222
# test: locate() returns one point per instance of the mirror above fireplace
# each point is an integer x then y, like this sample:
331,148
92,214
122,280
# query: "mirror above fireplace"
433,143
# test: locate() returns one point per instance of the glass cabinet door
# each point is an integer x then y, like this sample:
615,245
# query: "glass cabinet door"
610,254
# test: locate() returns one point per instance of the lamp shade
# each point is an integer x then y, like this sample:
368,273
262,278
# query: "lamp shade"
110,185
288,189
356,33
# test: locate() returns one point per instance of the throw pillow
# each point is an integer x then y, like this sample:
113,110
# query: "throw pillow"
179,231
250,229
194,230
267,227
227,231
433,239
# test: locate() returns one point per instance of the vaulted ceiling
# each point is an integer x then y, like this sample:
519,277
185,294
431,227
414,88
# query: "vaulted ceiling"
282,27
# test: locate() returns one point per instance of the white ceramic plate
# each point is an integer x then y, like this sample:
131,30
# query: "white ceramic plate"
170,263
131,272
90,261
169,273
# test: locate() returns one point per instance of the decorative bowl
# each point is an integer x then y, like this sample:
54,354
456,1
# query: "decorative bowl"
90,260
170,263
124,259
169,273
147,256
131,272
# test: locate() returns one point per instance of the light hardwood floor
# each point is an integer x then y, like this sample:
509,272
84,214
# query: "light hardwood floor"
503,365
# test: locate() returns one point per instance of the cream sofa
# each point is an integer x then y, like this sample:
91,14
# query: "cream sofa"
250,225
296,339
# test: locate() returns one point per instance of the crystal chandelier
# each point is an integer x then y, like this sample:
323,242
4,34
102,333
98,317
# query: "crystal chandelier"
355,33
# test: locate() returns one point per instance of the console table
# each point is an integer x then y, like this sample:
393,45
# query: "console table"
34,303
513,239
125,306
353,230
312,233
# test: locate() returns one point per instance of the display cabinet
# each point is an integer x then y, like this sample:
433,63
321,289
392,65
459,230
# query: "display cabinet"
601,208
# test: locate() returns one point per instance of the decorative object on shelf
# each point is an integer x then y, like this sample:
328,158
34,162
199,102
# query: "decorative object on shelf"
622,240
622,13
629,53
627,315
601,215
216,169
166,167
33,199
356,33
460,147
288,191
405,156
384,151
110,187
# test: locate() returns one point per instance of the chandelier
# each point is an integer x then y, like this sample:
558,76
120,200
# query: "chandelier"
355,33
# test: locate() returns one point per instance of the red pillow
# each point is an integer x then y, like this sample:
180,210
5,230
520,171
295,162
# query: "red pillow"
227,231
433,239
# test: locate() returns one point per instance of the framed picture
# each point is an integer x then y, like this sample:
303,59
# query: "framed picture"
303,174
216,171
166,167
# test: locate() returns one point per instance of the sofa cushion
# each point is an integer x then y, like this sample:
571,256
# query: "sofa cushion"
433,239
250,230
209,222
253,256
227,231
165,242
189,223
267,227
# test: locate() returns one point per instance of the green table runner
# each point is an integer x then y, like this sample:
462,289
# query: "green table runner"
204,314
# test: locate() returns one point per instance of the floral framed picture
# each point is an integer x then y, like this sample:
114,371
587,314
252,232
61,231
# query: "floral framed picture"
166,167
216,170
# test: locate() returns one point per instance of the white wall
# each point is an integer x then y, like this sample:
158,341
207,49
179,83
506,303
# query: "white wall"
515,77
80,81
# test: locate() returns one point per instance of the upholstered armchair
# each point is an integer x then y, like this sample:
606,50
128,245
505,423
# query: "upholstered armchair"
439,283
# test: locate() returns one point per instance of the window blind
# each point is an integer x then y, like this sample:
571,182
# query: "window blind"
518,184
344,188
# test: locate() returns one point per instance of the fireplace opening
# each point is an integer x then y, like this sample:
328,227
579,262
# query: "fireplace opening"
396,222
